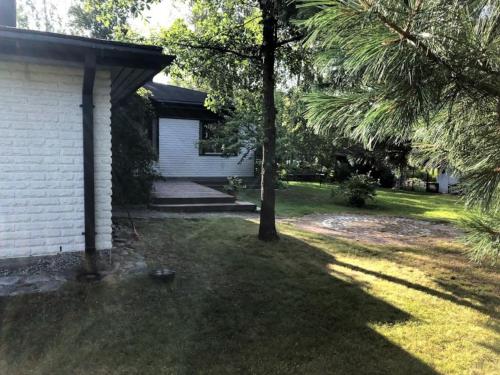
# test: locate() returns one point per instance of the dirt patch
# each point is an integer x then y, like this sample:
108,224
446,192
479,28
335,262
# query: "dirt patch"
49,273
386,230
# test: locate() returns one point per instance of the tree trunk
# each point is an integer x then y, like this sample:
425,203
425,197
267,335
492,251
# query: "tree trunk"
267,228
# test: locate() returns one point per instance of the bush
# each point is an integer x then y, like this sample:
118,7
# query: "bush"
357,190
133,155
234,185
414,184
342,172
386,178
280,184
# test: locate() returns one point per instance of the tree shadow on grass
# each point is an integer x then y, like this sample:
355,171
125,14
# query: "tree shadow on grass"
421,288
238,306
453,281
276,309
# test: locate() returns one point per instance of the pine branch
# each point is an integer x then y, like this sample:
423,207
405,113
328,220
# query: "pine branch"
417,43
413,14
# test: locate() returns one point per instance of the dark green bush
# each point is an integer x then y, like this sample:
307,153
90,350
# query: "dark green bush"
234,185
357,190
386,178
133,156
342,171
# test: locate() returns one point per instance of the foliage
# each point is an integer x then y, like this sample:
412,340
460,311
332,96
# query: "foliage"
425,72
234,185
219,49
106,19
386,178
133,157
36,15
357,190
414,183
233,48
483,238
342,171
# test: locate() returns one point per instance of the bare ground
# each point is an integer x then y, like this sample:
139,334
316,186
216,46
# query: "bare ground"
382,230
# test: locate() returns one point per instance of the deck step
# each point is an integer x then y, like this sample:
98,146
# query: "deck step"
192,200
237,206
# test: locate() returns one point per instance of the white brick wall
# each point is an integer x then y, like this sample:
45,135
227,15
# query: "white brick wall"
41,159
179,154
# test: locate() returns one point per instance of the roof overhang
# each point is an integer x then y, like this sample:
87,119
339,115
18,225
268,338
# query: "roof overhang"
131,65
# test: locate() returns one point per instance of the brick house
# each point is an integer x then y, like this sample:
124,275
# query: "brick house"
56,94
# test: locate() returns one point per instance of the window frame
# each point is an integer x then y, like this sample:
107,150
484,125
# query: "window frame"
201,151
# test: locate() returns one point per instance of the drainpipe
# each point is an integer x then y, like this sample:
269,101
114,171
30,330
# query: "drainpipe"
88,151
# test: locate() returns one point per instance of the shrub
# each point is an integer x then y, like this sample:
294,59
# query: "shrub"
342,172
280,184
414,184
133,155
234,185
357,190
386,178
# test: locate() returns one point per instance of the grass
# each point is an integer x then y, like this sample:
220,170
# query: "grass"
302,198
307,304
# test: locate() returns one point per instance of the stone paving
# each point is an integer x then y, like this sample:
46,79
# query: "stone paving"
184,189
389,230
49,273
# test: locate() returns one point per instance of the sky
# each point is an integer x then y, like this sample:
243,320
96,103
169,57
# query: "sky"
161,14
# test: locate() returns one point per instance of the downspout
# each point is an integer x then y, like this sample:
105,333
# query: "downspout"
88,151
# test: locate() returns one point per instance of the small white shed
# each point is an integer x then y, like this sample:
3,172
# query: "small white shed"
56,93
446,180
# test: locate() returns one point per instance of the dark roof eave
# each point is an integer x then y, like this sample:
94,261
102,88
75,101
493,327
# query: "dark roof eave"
141,62
175,95
80,41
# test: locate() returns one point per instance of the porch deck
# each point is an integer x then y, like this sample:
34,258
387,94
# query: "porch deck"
188,196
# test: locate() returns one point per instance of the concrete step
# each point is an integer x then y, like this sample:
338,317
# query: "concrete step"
237,206
192,200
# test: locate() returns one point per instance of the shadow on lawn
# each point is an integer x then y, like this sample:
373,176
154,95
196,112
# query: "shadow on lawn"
463,280
422,288
238,306
276,309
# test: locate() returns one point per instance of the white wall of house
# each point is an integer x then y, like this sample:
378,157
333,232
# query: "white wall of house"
41,159
179,153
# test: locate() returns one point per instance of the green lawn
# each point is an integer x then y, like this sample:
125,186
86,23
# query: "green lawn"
304,305
302,198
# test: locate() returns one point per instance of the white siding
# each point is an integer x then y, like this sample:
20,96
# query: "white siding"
446,179
41,159
179,153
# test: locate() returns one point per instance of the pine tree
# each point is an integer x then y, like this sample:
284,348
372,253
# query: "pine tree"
425,71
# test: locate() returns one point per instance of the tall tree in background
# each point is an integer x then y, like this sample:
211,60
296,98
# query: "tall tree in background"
40,15
106,19
232,47
425,71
